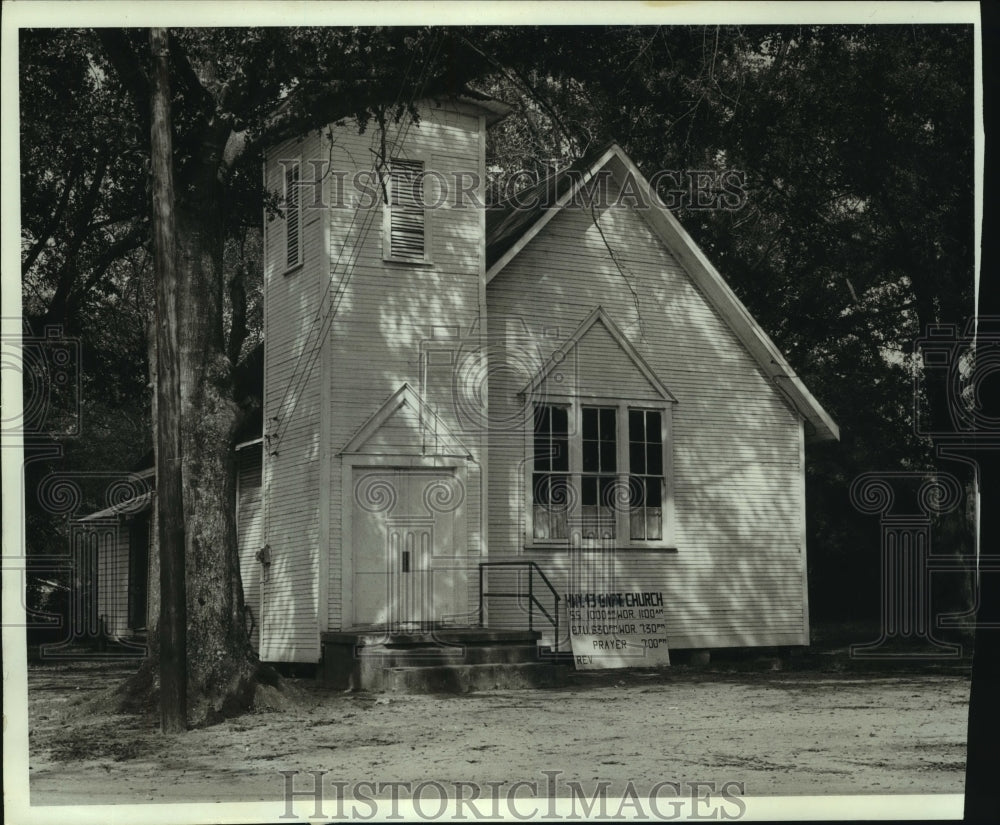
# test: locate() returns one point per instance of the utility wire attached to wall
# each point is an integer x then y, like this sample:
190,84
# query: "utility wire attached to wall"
298,379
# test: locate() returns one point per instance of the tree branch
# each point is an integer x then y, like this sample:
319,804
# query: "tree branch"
519,79
130,69
68,272
131,240
188,77
238,297
54,220
235,148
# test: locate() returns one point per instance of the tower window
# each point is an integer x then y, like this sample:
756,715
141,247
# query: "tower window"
406,222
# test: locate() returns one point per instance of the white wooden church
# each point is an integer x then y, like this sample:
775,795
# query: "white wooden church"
469,414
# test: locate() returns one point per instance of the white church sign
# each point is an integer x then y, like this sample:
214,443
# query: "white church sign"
617,630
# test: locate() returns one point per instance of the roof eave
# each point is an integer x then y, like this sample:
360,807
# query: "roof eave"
495,110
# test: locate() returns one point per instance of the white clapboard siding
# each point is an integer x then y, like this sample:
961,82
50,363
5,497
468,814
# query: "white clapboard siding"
361,320
388,313
112,575
250,532
287,611
736,576
597,347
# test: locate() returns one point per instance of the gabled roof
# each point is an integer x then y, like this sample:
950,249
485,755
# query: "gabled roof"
495,110
599,316
511,229
142,483
406,396
507,225
327,96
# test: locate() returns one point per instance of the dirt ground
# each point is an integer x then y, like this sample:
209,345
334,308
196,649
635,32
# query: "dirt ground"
780,732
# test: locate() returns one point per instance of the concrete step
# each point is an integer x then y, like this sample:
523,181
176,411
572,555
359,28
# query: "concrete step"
564,655
436,636
471,654
466,678
364,658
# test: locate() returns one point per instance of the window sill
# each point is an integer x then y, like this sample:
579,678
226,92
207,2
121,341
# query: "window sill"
408,261
293,269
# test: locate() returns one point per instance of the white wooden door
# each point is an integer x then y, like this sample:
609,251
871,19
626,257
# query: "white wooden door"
409,547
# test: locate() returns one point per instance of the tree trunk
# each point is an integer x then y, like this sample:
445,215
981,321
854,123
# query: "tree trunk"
169,498
223,670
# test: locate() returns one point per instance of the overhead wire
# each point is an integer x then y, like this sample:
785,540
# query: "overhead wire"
295,378
299,381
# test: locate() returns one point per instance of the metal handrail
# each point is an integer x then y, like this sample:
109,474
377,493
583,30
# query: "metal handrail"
532,601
